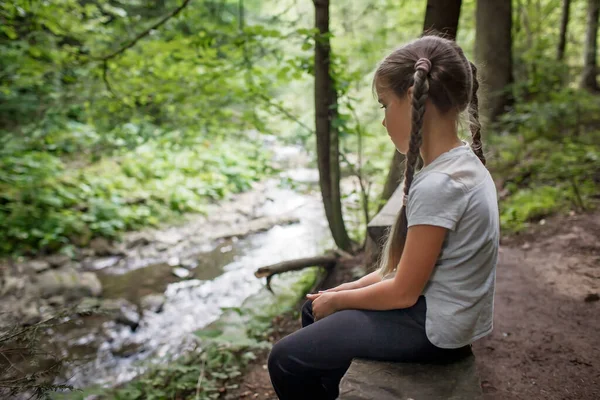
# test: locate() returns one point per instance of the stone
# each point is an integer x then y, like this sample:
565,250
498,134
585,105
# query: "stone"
181,272
153,302
85,253
139,242
88,304
68,283
56,301
102,247
189,264
90,283
171,237
162,246
104,262
39,265
125,312
58,260
30,315
367,379
12,284
126,349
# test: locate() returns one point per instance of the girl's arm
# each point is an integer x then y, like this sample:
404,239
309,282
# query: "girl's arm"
365,281
422,248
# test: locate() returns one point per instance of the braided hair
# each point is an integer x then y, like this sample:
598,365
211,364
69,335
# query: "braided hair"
439,73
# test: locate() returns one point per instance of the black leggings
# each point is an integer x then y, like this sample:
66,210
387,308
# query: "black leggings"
309,363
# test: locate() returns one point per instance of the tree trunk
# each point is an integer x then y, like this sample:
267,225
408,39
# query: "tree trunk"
327,133
493,52
562,39
442,16
590,66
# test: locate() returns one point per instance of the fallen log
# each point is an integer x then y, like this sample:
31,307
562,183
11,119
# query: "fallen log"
327,261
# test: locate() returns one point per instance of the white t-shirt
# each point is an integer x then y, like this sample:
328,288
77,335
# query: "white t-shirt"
457,192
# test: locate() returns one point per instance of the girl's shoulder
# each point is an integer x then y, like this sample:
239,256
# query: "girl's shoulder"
461,170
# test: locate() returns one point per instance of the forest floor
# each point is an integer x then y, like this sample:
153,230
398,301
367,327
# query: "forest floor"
545,343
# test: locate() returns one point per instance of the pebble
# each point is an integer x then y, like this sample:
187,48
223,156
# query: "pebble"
181,272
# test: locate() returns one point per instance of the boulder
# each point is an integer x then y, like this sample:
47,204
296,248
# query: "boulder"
30,315
124,312
367,379
153,302
58,260
12,284
102,247
39,265
69,283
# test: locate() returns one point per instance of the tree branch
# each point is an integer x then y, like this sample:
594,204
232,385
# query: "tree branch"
326,261
146,32
105,78
285,112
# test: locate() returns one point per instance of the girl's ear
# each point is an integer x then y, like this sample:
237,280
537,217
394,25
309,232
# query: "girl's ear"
409,93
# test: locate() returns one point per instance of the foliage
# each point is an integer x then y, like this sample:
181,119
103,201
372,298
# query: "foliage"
47,202
543,176
103,130
561,113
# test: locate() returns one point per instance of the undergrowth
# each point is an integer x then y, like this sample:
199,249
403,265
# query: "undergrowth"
547,160
50,200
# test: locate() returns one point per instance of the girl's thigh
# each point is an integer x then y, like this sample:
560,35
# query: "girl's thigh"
332,343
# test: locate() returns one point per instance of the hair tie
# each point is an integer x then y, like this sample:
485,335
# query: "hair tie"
423,64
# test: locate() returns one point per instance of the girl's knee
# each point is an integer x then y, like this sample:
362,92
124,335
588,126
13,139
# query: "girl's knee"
277,362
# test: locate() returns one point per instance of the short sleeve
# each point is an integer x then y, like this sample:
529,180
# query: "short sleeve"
437,200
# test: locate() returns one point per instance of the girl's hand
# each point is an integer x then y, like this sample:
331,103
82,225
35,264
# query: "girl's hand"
323,304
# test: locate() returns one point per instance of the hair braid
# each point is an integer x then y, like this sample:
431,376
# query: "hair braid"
476,144
395,246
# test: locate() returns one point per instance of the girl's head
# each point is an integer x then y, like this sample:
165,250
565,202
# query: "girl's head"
429,73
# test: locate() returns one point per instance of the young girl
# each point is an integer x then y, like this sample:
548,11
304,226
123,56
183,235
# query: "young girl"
433,294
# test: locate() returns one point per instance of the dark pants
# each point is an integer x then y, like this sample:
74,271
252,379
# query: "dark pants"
309,363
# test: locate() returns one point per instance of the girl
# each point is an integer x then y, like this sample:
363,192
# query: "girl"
433,293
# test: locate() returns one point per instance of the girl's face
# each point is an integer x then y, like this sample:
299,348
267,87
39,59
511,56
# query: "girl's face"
397,117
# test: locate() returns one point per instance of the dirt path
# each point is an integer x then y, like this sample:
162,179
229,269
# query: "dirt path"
546,339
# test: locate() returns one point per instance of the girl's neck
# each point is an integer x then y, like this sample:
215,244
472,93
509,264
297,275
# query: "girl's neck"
440,135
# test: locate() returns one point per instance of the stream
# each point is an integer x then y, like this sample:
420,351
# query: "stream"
179,279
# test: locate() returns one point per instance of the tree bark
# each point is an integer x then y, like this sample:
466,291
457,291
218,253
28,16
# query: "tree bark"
441,16
327,134
326,261
562,39
590,66
493,52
